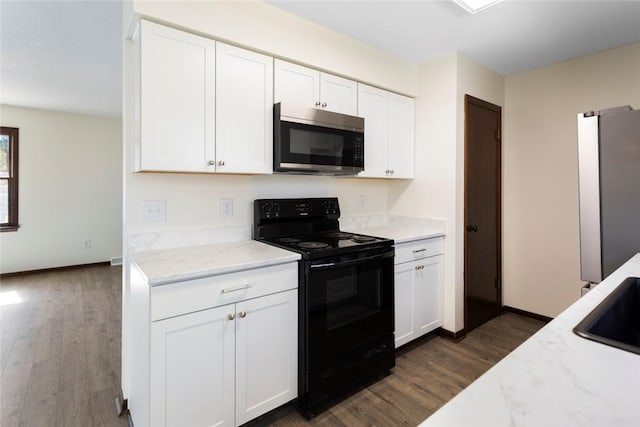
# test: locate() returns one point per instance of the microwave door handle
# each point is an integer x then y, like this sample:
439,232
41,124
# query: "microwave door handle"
353,262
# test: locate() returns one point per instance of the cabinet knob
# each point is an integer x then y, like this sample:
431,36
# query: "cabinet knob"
212,162
324,104
242,314
231,316
317,103
387,172
221,163
419,267
391,171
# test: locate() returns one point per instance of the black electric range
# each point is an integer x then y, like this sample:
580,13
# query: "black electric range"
345,298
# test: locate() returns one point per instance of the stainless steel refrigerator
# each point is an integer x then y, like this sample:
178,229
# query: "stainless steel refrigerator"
609,179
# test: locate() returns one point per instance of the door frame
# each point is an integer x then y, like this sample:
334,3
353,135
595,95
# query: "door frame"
468,99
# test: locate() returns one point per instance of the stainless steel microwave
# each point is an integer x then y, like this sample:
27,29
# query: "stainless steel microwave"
318,142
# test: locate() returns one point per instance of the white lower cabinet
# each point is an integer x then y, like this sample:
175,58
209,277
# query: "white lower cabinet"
226,365
193,369
223,365
418,289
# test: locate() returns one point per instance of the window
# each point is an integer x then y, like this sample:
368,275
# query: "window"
8,179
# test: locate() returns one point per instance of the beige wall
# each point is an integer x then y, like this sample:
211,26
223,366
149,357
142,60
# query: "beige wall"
541,262
69,190
438,188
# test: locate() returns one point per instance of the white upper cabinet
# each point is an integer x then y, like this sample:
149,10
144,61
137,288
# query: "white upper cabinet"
373,105
303,86
338,94
177,100
204,106
401,136
296,85
244,114
389,133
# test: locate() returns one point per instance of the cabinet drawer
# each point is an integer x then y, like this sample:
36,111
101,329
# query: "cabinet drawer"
406,252
186,297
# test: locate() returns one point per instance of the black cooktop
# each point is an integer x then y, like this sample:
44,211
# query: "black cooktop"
308,226
326,241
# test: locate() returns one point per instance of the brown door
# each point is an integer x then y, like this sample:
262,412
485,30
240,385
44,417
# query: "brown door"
482,207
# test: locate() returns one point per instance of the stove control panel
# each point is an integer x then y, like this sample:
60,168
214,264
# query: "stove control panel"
322,207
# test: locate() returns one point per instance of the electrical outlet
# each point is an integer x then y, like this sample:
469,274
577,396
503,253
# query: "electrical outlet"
154,211
226,208
362,202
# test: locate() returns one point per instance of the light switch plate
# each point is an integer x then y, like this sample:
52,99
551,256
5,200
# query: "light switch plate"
362,201
226,208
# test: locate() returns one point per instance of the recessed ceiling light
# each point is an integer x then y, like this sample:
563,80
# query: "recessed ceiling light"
475,6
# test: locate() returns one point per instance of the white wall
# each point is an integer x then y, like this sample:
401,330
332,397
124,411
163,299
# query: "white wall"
432,192
541,223
193,200
438,188
260,26
69,190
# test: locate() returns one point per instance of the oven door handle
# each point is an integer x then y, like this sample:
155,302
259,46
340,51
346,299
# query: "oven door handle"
389,254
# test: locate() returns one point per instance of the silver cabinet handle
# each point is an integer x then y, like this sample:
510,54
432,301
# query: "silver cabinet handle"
417,251
387,172
221,163
242,314
419,267
391,171
231,316
324,104
317,103
236,288
212,162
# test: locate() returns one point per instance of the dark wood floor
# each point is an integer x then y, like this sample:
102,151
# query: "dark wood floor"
60,348
427,375
60,359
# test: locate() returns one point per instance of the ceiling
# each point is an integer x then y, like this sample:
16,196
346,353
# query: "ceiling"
62,55
510,37
67,55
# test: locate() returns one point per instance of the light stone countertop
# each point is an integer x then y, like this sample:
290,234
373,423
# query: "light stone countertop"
555,378
400,229
165,266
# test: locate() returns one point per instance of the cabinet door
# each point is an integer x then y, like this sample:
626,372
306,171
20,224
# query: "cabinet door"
266,354
244,113
338,94
177,99
296,85
428,294
192,369
373,105
401,136
404,307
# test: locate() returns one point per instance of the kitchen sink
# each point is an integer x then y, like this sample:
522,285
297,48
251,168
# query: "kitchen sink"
616,320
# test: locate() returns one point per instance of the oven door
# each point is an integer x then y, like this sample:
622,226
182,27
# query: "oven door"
350,303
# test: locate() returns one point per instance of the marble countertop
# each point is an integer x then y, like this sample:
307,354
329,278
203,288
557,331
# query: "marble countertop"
174,265
555,378
400,229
